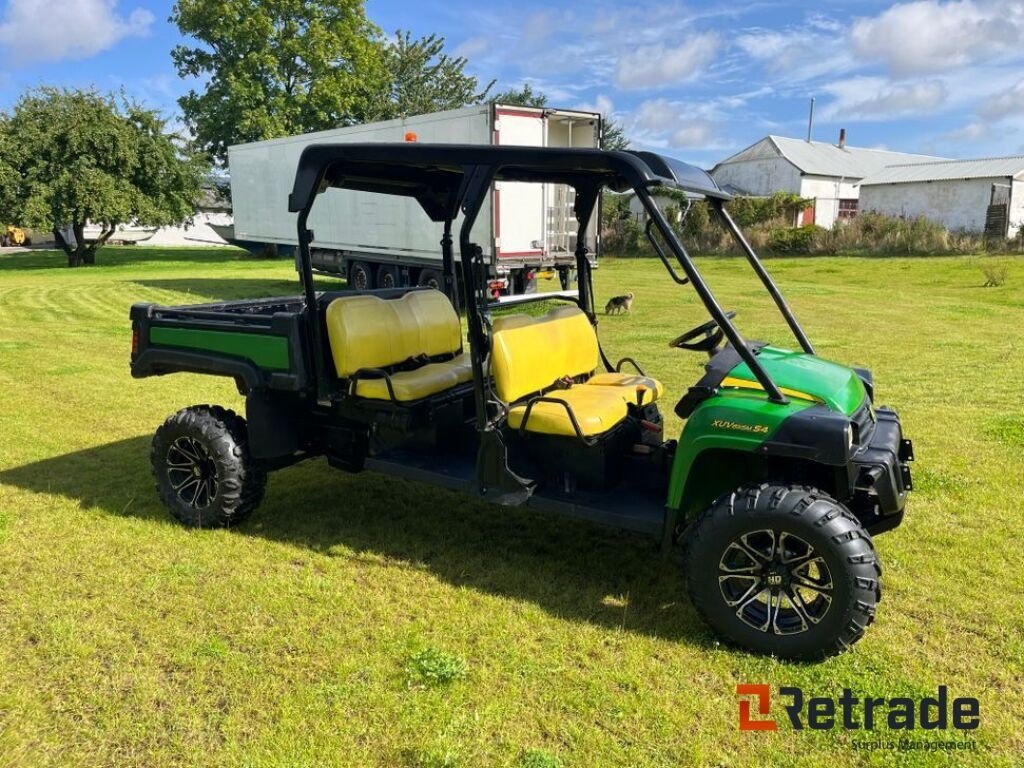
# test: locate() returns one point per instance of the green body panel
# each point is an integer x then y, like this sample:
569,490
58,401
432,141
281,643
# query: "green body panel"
737,420
742,419
838,386
269,352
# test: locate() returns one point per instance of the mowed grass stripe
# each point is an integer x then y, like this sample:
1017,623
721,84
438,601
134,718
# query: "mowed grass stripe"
127,640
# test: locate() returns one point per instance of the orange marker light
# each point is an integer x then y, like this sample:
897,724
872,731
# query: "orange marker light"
411,136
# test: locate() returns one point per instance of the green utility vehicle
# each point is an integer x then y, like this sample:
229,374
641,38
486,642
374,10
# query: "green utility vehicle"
783,472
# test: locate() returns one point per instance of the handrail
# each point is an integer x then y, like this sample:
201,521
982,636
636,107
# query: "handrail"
661,254
766,279
708,298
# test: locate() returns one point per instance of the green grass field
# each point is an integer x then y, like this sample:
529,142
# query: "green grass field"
363,621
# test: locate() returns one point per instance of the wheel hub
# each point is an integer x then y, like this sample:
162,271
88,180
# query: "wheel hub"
192,472
775,581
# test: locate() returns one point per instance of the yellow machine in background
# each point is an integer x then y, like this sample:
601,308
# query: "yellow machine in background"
12,235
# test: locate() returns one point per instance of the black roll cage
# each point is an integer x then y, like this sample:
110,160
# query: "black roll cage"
448,179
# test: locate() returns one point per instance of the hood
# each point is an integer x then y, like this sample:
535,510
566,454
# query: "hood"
805,377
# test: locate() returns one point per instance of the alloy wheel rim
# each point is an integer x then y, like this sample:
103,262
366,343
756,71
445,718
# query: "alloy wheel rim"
192,472
775,581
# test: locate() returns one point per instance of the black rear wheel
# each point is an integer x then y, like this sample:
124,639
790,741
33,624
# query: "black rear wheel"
203,470
430,278
387,276
785,570
360,276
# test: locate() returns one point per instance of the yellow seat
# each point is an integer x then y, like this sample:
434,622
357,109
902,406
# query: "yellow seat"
410,385
462,366
628,385
370,332
530,356
597,409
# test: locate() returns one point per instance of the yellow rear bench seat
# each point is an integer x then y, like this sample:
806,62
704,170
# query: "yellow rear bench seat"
370,332
529,355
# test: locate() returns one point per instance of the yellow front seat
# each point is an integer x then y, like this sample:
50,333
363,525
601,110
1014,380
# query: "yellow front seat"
530,356
629,386
596,410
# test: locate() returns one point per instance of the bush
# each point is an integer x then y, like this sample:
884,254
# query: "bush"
766,223
793,239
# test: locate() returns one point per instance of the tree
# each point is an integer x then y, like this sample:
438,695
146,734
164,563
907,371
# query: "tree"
422,78
276,68
614,136
83,157
521,97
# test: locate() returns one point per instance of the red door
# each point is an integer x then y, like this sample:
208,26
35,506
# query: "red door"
808,217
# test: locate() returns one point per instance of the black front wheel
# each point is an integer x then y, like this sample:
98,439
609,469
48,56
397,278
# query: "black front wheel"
203,470
785,570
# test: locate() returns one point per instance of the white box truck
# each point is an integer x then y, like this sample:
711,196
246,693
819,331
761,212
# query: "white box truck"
526,230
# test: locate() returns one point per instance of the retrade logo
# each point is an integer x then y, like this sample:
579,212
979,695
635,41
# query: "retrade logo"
849,712
762,695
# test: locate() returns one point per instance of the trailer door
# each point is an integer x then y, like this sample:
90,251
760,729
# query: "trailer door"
518,206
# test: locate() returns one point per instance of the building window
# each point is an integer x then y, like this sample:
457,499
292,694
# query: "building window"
848,209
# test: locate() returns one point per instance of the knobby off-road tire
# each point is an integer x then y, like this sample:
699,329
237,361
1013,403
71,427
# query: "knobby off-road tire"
203,470
783,570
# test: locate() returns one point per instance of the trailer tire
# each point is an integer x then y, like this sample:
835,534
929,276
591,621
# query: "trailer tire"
430,278
203,469
387,276
360,276
789,546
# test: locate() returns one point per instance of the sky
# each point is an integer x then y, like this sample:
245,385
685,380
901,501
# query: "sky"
698,81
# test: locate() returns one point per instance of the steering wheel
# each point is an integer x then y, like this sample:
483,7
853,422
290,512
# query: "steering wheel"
712,334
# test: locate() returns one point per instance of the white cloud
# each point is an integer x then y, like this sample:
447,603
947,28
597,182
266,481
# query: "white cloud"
675,124
970,132
1004,103
472,46
51,30
661,65
601,103
873,98
931,36
694,134
804,53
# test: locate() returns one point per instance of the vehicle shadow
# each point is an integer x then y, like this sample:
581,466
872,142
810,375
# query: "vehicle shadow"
570,569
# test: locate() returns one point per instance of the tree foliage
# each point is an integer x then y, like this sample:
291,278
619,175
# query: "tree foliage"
275,67
83,157
422,78
614,136
521,97
282,67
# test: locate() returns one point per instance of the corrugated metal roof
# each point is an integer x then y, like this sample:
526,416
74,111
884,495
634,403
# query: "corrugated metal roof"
819,158
822,159
989,167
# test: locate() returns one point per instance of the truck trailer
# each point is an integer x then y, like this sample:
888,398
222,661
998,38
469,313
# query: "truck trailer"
526,231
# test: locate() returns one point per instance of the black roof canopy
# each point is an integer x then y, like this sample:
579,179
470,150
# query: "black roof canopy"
432,173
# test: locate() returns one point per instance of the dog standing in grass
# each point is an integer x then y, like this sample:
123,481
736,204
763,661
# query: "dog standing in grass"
618,303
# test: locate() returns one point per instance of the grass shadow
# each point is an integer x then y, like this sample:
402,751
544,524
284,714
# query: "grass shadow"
570,569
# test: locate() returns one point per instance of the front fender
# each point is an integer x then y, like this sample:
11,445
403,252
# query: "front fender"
734,422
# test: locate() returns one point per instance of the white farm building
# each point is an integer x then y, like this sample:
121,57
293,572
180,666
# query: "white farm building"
828,174
976,195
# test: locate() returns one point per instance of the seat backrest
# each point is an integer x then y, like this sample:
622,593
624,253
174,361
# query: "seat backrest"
528,356
370,332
